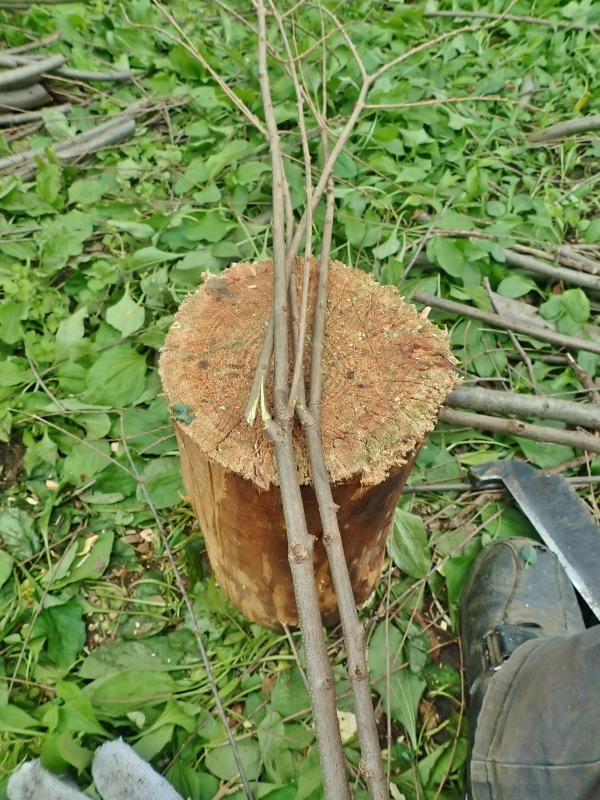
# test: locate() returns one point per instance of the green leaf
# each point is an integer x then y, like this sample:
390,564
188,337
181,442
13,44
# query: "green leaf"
69,332
408,544
139,230
61,751
131,690
48,181
126,315
85,460
404,689
162,479
592,232
77,713
15,720
289,695
17,533
117,378
221,761
64,630
448,255
6,565
149,257
516,286
62,238
92,562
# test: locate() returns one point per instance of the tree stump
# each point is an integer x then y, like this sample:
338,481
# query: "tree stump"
386,372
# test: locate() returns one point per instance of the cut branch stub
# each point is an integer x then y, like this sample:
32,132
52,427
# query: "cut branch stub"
386,372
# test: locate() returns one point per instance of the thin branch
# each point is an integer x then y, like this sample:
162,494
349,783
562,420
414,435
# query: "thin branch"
371,764
515,427
540,406
580,26
280,316
36,45
496,321
460,486
186,42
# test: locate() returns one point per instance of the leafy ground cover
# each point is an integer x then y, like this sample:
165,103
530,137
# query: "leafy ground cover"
96,639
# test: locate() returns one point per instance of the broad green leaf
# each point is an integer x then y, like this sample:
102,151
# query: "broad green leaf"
85,460
64,630
158,653
130,690
190,782
6,565
448,255
70,331
17,533
77,713
91,559
60,751
277,758
289,695
408,544
405,688
126,315
516,286
162,479
139,230
15,720
117,378
149,257
62,238
544,454
221,761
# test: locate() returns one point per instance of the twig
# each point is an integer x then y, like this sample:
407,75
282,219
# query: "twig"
516,343
540,406
516,427
580,26
563,129
21,117
186,42
496,321
24,48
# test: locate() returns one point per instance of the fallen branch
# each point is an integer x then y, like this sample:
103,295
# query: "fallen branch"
496,321
552,271
8,120
563,129
528,405
579,26
516,427
462,486
30,97
27,74
105,133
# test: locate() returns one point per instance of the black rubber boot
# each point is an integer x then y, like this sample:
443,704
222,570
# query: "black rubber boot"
516,591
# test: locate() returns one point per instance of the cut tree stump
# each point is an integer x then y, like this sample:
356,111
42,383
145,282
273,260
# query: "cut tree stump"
386,372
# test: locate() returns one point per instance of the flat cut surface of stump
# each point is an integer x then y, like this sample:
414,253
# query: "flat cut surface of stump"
386,372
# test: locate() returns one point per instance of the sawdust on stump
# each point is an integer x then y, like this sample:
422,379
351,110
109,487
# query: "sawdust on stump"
386,372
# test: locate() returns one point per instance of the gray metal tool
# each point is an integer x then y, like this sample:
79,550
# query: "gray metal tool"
558,515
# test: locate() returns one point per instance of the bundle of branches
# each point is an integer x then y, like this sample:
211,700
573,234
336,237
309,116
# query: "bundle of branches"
29,81
116,129
293,398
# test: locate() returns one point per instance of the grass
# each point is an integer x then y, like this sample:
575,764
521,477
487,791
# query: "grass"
95,638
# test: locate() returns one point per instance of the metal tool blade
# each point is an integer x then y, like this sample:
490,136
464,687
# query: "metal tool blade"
558,515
